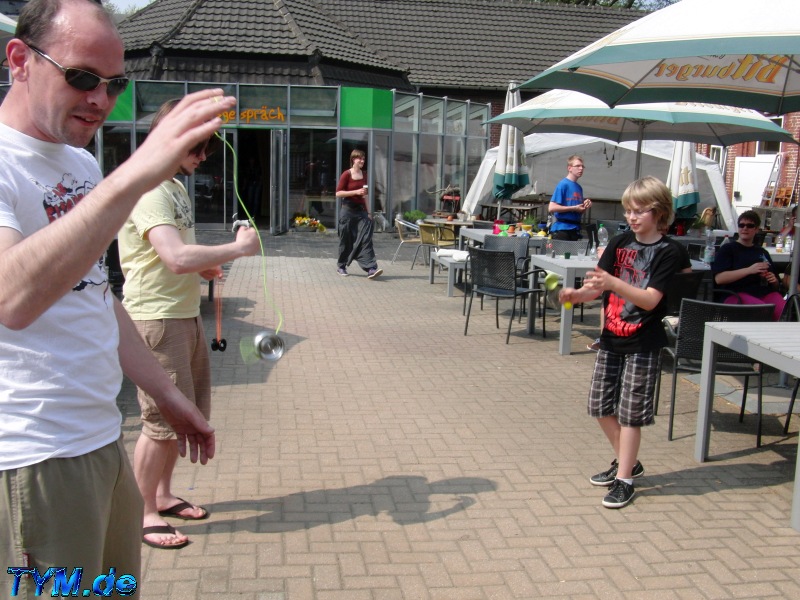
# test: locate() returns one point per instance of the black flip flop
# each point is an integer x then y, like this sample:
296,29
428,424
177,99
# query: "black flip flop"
174,511
161,529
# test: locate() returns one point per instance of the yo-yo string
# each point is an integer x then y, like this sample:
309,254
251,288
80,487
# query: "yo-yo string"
252,223
218,307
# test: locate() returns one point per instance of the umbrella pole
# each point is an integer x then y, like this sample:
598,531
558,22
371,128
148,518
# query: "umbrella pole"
639,151
795,261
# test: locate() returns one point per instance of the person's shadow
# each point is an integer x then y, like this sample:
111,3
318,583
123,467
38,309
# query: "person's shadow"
405,499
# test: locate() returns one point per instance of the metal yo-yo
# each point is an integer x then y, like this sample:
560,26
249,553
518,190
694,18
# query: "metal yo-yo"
269,346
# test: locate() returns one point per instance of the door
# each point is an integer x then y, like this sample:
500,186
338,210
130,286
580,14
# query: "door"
749,180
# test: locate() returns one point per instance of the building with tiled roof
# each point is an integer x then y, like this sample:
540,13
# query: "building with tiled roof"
466,49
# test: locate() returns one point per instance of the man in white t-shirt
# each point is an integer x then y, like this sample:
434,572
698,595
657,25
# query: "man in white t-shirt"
68,498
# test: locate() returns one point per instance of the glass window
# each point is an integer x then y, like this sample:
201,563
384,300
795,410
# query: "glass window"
263,105
312,176
116,146
478,115
406,112
151,95
404,157
717,153
429,173
771,147
476,149
314,106
456,118
380,172
454,172
432,109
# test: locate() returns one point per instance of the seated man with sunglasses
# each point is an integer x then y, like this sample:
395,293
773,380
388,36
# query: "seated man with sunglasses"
747,269
68,496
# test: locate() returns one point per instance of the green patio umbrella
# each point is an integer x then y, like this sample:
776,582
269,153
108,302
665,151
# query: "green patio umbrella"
682,180
565,111
511,172
735,52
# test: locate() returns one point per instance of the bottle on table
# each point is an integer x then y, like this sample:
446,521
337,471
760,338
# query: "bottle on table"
710,250
602,239
779,244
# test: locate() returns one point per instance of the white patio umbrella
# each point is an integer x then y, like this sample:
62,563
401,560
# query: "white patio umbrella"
682,180
565,111
511,173
738,52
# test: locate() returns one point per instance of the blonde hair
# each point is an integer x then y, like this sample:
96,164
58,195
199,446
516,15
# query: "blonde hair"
650,193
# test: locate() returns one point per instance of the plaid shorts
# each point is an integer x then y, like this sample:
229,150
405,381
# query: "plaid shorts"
624,385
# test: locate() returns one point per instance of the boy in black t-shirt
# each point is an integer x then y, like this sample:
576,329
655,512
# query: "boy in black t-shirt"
632,275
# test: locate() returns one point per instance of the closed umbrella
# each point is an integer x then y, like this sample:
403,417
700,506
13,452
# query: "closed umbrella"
738,52
682,180
511,173
565,111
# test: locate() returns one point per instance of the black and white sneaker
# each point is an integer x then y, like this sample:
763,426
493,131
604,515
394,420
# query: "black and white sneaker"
619,495
606,478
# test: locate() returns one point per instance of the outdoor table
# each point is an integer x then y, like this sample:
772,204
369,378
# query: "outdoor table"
568,269
778,257
455,223
479,235
774,344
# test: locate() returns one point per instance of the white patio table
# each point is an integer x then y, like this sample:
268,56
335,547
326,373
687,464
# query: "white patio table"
774,344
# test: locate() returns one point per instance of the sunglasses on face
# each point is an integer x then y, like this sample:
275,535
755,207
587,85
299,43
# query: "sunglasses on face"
86,81
747,225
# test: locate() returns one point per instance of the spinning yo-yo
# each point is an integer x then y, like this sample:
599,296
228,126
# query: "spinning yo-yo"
269,346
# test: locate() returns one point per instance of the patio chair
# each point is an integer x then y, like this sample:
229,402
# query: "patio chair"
435,237
408,233
687,353
517,245
478,224
493,273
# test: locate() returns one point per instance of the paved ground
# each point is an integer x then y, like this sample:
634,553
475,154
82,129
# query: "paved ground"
386,457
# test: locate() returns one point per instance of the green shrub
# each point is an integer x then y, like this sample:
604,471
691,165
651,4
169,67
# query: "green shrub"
414,215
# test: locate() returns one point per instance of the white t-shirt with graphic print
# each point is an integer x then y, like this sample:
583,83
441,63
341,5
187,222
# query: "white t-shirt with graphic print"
59,377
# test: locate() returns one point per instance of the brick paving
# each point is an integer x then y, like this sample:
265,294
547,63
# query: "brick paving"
387,456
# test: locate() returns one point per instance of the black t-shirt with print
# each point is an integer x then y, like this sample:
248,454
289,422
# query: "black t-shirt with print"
629,329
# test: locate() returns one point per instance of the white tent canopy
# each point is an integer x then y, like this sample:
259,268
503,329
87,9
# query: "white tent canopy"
546,156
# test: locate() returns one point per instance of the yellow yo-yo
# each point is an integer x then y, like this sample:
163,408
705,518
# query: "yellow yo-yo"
551,281
568,305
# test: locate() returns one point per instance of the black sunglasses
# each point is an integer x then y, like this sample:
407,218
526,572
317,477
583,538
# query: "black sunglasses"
86,81
747,225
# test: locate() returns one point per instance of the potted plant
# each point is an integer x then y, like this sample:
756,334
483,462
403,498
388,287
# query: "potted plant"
414,215
303,222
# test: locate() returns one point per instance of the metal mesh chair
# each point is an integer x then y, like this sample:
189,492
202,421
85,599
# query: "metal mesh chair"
408,233
493,273
517,245
576,248
687,354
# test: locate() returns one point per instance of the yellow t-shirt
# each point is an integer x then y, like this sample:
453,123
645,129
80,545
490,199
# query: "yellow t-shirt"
151,290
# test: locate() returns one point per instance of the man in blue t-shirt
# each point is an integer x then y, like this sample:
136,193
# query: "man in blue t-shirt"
567,204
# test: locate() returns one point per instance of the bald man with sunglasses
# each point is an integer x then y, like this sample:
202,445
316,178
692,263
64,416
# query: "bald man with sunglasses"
68,498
